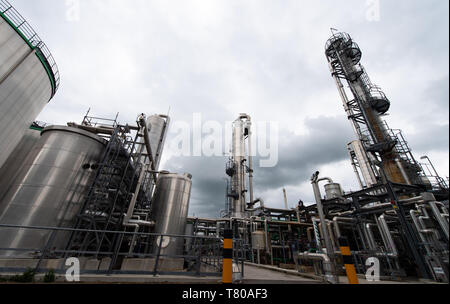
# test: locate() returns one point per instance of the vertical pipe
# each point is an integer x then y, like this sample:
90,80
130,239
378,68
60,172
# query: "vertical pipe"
285,199
250,159
442,222
318,197
387,233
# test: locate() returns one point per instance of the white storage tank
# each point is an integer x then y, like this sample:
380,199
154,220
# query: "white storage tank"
28,78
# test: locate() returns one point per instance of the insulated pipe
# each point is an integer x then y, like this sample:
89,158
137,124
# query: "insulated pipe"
371,238
327,263
258,200
315,183
415,199
379,206
135,195
285,199
357,173
333,240
95,130
437,214
419,229
136,225
336,220
384,226
266,234
426,217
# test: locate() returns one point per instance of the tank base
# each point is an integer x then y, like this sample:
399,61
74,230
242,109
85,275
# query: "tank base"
164,264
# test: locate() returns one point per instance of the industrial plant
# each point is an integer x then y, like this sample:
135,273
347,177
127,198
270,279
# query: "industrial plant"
95,190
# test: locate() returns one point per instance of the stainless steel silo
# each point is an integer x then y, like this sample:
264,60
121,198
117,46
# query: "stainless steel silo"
49,189
16,160
158,126
170,210
28,78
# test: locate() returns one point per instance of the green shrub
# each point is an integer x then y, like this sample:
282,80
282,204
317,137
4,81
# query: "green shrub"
50,276
26,277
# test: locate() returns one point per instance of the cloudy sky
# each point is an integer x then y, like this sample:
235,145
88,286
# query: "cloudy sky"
264,58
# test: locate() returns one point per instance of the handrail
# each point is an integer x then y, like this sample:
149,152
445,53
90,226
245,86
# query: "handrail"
24,29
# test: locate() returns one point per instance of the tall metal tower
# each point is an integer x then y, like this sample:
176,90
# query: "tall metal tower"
239,166
378,147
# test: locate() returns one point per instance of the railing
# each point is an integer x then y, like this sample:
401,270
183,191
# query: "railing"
205,262
32,38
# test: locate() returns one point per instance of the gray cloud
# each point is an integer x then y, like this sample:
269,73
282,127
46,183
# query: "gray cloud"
263,57
299,157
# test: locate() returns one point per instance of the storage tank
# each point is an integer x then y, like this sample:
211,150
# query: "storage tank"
333,190
158,125
170,210
29,78
15,161
158,128
50,188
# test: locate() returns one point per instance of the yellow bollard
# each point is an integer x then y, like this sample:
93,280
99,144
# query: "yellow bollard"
227,270
348,261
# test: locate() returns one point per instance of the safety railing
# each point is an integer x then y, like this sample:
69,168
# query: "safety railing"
151,257
32,38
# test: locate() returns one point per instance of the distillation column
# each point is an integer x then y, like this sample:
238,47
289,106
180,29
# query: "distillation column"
240,164
369,103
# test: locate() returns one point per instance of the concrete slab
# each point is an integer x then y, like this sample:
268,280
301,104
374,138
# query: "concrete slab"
254,274
164,264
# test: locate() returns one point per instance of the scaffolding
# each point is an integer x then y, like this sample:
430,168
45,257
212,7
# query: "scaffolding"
121,176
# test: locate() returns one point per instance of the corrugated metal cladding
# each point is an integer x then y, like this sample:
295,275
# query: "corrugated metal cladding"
25,88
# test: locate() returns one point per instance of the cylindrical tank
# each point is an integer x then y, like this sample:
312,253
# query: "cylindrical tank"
28,78
170,209
156,124
333,190
189,231
49,189
238,179
16,160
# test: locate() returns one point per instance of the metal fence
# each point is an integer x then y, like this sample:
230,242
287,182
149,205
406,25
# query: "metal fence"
202,255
